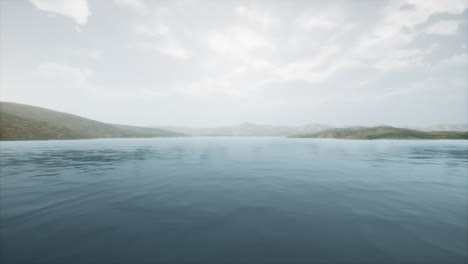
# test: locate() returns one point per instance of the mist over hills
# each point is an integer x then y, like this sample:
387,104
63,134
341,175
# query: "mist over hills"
247,129
25,122
446,127
251,129
383,132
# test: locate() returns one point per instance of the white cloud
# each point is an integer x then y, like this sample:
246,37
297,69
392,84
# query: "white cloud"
93,54
460,59
161,38
264,19
308,22
385,46
327,19
135,4
444,27
63,75
263,53
55,83
210,86
312,70
395,18
238,42
75,9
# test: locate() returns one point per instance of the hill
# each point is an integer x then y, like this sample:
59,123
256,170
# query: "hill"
383,132
25,122
449,127
246,129
441,127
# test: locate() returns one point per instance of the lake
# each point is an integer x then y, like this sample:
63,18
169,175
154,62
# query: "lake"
234,200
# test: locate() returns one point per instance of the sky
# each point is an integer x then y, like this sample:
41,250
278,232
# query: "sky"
216,63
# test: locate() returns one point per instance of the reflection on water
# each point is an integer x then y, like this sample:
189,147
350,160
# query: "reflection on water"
251,200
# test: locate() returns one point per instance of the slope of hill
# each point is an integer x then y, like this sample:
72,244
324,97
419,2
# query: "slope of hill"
246,129
449,127
25,122
383,132
441,127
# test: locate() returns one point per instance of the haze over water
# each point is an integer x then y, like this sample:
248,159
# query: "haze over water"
234,200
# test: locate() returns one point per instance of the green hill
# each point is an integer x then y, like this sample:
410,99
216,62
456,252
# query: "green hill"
383,132
25,122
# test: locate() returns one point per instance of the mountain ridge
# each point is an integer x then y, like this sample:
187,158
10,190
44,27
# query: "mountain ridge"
26,122
246,129
252,129
382,132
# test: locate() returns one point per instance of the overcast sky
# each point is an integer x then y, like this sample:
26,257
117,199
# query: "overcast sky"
208,63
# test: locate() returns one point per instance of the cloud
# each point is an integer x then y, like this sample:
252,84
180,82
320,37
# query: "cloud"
457,59
444,27
56,83
63,75
160,37
238,42
397,16
251,53
307,22
327,19
75,9
386,44
135,4
264,19
92,54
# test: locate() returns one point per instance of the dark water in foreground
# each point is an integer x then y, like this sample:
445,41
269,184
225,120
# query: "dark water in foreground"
234,200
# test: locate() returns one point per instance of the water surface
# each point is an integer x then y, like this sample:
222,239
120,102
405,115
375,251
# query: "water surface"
234,200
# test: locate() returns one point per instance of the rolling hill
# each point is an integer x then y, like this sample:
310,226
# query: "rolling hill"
383,132
25,122
448,127
247,129
441,127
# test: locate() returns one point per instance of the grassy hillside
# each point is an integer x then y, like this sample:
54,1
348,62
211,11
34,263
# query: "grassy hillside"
25,122
14,128
247,129
383,132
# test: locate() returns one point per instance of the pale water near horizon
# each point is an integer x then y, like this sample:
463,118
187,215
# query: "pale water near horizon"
234,200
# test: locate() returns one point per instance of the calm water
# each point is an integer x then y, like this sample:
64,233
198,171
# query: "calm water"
234,200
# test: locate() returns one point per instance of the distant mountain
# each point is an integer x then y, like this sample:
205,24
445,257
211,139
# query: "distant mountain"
246,129
442,127
383,132
448,127
25,122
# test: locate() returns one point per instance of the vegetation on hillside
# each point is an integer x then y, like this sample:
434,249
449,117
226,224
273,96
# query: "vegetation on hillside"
24,122
383,132
18,128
